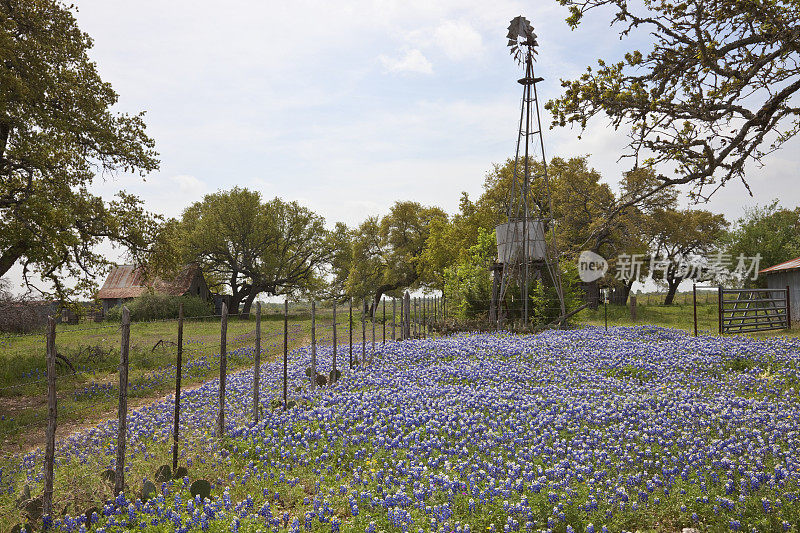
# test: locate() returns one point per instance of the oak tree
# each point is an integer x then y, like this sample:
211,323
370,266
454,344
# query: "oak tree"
716,88
248,246
58,133
387,251
771,232
681,238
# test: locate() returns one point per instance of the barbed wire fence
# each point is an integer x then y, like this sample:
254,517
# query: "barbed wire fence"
89,371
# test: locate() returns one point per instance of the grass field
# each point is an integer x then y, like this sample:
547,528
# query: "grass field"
636,429
88,394
385,449
678,316
88,391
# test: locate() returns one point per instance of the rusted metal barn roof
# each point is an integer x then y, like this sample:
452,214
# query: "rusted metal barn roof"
792,264
129,281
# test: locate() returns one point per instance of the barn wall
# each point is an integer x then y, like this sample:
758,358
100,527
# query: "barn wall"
779,280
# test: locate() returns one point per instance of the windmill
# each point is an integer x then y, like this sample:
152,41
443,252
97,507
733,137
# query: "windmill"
523,250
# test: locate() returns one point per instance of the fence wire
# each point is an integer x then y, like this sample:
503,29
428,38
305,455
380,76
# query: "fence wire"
88,378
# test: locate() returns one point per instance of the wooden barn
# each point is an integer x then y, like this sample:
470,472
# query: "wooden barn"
786,274
125,282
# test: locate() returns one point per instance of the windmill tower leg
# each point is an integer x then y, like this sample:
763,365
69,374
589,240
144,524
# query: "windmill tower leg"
494,314
523,246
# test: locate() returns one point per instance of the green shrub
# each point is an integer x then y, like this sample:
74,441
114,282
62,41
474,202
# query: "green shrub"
468,283
468,286
160,306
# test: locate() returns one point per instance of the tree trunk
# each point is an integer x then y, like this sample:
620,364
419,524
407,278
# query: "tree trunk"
388,287
248,303
235,302
672,284
591,293
619,295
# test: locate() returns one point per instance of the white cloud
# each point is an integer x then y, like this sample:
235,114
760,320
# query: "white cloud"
458,40
189,184
412,61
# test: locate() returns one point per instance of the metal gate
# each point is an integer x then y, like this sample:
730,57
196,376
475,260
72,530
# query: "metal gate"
746,310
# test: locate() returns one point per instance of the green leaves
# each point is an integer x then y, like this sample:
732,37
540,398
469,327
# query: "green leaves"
387,253
201,488
771,231
247,244
57,133
148,490
163,474
729,68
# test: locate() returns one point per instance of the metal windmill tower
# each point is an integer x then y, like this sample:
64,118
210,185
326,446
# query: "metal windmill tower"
523,250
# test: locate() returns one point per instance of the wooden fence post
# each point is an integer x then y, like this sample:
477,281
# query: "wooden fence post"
633,303
402,318
372,355
423,312
406,321
788,308
394,319
350,332
223,368
427,315
285,352
178,371
50,448
363,334
412,318
416,317
333,375
257,363
313,344
384,321
430,315
119,474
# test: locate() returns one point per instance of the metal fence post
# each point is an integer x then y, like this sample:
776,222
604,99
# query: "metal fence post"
719,306
394,319
694,304
119,474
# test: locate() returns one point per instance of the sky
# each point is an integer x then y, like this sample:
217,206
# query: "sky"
347,107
